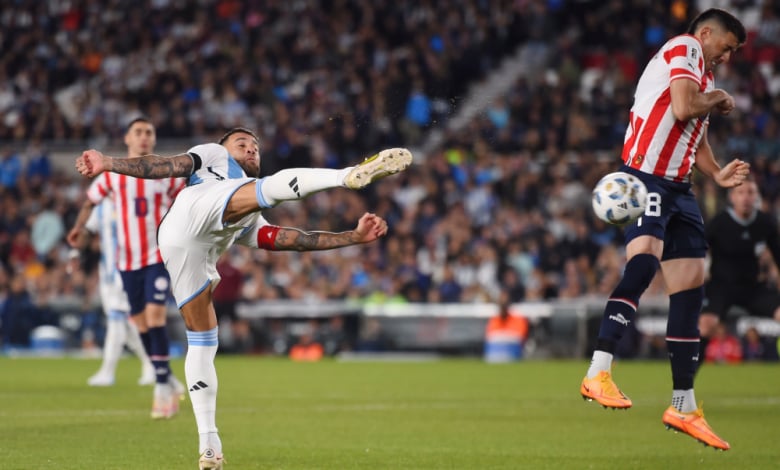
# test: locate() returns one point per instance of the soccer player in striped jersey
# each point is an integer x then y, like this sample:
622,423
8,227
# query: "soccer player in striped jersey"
665,139
140,206
120,330
221,206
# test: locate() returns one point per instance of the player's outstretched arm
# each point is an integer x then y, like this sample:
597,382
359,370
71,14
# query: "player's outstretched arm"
93,162
369,228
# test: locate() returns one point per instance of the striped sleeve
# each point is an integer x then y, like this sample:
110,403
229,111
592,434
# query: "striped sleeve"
684,56
99,188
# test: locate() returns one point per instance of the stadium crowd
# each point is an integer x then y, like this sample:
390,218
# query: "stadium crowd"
502,204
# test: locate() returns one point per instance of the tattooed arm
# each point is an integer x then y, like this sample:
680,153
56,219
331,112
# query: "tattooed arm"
370,227
92,163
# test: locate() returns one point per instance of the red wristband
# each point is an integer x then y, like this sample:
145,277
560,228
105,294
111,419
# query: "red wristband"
266,237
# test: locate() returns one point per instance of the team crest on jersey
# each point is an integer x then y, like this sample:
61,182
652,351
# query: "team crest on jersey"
638,160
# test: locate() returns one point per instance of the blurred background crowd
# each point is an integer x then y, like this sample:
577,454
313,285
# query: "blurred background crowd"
500,204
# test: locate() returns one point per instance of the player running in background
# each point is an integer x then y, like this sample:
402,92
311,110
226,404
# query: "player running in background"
120,330
738,236
665,139
221,206
140,206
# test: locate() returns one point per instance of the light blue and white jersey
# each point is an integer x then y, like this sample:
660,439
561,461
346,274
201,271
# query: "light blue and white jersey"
213,163
102,222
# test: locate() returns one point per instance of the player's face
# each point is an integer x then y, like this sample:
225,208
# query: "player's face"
718,46
245,150
140,139
744,198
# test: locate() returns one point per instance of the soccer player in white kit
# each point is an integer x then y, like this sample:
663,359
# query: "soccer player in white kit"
666,138
221,206
120,331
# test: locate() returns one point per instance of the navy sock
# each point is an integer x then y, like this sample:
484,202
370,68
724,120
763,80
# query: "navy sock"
703,342
147,342
622,304
682,336
159,353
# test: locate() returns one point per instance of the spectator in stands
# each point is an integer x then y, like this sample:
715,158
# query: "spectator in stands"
723,347
10,169
19,315
757,348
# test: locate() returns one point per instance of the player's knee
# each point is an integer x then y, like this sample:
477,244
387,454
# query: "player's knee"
638,274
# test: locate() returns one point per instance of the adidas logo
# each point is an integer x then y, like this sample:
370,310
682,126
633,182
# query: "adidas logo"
294,186
620,319
198,385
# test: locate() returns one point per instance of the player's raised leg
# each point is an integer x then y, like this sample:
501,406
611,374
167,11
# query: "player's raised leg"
297,183
618,313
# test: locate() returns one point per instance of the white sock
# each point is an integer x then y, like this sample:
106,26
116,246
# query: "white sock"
209,440
136,346
684,400
114,342
602,360
297,183
202,383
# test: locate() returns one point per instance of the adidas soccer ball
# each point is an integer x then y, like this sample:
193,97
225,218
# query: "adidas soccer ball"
619,198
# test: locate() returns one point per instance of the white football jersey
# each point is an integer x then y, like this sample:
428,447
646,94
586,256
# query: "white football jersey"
656,142
102,222
215,164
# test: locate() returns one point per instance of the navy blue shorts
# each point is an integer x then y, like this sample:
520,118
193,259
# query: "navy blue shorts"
149,285
672,215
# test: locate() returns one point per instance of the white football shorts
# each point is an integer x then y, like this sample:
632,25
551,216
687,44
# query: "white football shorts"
112,294
192,236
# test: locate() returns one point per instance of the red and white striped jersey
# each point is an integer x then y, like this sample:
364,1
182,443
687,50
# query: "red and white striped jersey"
140,206
656,142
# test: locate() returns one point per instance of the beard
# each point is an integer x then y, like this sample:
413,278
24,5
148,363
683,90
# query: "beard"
253,171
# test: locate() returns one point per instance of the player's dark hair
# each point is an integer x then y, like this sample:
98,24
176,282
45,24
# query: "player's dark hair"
236,130
723,18
137,120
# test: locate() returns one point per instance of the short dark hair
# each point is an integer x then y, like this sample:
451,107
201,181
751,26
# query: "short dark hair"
137,120
723,18
237,130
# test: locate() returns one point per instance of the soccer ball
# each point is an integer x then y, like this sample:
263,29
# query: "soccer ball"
619,198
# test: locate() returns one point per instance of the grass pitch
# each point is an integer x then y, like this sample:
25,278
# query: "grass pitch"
453,414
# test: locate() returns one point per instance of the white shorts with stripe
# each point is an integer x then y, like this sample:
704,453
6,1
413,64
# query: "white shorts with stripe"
192,236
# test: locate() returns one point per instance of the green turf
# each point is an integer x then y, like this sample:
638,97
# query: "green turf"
459,414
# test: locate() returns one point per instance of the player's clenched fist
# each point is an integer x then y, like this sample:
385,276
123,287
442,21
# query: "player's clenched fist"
91,163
